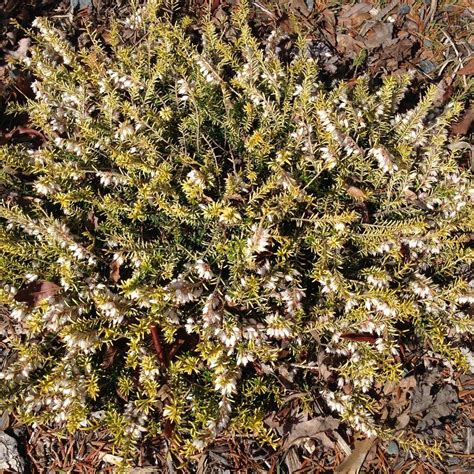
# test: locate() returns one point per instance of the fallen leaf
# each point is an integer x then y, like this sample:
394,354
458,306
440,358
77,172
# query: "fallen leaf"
110,458
10,458
346,449
215,5
443,403
464,125
115,269
22,50
5,420
354,461
352,16
6,137
356,193
468,69
80,4
91,221
292,461
329,26
300,6
349,46
412,198
145,470
310,428
35,292
427,66
379,35
444,91
109,357
402,421
363,337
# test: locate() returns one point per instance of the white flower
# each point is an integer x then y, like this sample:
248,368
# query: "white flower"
198,444
329,285
379,281
229,336
292,299
78,251
206,71
31,277
350,304
210,311
110,179
124,132
277,327
298,90
190,325
244,357
196,178
384,159
264,268
183,90
463,299
332,402
84,342
325,120
420,289
384,247
45,188
225,384
328,157
469,357
259,241
204,270
110,310
250,333
184,291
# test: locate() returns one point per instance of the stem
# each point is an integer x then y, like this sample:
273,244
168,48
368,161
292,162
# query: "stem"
158,347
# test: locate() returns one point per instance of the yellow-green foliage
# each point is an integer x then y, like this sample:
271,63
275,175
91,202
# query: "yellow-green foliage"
215,191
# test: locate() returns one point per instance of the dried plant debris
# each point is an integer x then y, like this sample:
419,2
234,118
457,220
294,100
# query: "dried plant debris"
10,459
432,402
431,38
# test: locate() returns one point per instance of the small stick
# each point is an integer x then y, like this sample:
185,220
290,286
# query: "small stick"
157,343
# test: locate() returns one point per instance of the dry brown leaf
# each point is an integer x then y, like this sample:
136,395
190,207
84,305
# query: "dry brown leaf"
356,193
22,50
468,69
352,16
91,222
430,406
310,428
402,421
292,461
464,125
353,462
362,337
35,292
110,458
300,6
109,357
379,35
349,46
115,269
5,420
329,26
145,470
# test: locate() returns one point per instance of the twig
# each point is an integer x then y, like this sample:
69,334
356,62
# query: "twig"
458,55
158,347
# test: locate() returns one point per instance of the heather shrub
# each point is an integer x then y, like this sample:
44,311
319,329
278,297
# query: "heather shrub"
201,213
